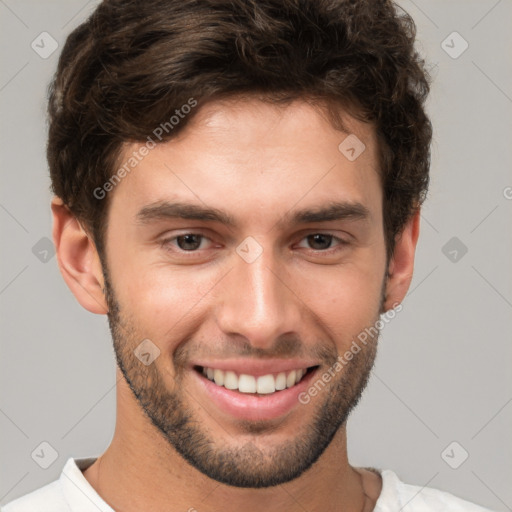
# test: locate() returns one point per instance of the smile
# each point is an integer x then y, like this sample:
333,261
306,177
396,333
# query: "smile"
261,385
252,390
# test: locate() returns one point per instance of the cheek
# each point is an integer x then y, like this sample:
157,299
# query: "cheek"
164,303
346,298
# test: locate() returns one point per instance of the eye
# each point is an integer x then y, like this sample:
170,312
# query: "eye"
323,241
193,242
186,242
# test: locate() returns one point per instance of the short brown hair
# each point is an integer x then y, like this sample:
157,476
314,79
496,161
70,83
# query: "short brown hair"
131,64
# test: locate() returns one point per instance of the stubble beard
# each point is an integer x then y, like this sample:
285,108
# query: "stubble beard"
241,465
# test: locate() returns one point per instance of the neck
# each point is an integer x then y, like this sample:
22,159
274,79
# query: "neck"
141,471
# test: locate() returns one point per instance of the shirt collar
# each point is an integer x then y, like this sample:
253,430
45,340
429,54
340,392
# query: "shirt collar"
77,491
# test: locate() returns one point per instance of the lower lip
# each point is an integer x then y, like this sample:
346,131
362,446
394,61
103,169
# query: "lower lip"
251,407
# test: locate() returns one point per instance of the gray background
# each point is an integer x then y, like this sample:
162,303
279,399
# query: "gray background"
443,369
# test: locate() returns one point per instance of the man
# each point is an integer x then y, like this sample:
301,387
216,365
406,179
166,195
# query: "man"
237,186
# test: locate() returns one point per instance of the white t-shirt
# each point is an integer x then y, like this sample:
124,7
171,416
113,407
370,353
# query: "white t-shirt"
73,493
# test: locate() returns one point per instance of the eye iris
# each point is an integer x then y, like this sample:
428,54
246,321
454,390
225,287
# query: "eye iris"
319,237
189,237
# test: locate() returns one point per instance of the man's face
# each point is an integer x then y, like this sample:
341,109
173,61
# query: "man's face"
261,296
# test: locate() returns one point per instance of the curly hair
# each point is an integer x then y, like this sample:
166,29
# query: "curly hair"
133,63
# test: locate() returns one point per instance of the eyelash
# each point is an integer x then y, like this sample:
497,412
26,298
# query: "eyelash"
167,243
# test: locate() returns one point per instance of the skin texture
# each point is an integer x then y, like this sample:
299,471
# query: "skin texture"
257,162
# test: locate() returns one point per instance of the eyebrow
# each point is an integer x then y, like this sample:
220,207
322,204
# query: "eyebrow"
334,210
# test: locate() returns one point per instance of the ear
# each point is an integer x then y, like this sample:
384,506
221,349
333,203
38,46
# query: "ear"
401,265
78,259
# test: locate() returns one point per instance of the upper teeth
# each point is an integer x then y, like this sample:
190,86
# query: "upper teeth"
250,384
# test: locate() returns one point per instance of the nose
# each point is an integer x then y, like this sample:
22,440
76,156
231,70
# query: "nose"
258,301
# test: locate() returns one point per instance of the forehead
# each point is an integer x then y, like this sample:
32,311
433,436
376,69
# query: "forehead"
255,157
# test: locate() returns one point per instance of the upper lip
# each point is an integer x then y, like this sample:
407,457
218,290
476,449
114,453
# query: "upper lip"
256,367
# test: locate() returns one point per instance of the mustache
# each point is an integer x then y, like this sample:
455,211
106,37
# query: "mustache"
285,347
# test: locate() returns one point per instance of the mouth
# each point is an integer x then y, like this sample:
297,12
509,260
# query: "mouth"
254,396
253,384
